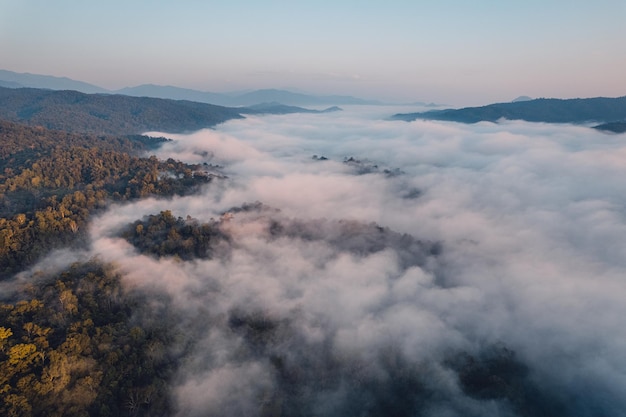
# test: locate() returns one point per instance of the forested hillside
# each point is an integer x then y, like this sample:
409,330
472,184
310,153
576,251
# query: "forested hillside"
73,346
585,110
107,114
52,181
71,343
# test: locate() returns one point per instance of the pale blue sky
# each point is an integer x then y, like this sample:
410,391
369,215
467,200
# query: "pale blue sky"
452,51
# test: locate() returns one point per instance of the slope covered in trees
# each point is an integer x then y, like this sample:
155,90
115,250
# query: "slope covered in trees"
599,110
614,127
75,343
73,346
107,114
51,181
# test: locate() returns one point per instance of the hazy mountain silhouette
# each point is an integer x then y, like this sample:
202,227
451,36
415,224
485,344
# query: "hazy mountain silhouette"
295,99
278,108
15,80
10,84
176,93
241,99
12,79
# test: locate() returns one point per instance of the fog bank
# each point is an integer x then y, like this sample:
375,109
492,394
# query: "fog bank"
420,268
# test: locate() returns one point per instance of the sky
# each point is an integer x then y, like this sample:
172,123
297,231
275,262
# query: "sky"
449,51
530,225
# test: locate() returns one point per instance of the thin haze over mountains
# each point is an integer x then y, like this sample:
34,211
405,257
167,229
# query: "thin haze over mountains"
10,79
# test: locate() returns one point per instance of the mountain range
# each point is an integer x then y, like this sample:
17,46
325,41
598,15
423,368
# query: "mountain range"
182,109
10,79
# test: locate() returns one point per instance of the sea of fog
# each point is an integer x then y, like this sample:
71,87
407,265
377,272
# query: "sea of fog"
409,256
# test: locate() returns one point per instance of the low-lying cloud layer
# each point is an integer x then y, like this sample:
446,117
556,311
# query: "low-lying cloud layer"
467,270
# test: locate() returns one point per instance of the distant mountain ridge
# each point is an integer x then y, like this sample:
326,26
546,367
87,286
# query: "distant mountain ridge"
12,79
278,108
246,99
298,99
173,93
548,110
10,84
15,80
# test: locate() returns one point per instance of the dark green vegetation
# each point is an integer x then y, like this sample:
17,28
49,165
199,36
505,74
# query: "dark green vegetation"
165,235
51,182
615,127
588,110
107,114
78,345
75,343
496,374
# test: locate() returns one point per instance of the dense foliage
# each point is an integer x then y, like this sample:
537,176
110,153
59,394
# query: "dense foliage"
615,127
74,343
165,235
77,345
50,182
